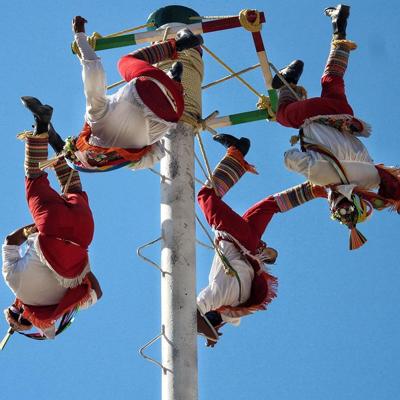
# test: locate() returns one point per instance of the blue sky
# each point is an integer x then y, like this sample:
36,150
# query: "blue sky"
333,331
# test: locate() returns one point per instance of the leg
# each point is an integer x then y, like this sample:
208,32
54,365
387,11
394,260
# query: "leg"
231,168
150,93
65,175
221,217
292,113
158,52
260,214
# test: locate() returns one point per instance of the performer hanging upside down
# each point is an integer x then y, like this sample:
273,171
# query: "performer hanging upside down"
331,154
126,127
53,275
238,283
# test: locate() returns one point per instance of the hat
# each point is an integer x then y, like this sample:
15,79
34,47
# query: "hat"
351,212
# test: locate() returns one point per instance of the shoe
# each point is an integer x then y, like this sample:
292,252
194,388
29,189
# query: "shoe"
185,39
55,140
339,16
291,73
175,73
242,144
41,113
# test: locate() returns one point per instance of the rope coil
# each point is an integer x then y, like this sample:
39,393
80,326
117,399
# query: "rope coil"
245,17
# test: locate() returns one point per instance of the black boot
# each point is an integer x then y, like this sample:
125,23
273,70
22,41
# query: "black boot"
55,140
291,73
185,39
176,71
41,113
338,15
242,144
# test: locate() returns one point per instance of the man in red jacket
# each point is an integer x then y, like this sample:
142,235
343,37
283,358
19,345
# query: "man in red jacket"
52,276
239,284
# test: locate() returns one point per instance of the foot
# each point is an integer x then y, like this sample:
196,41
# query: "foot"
339,16
175,73
55,140
185,39
291,73
41,113
242,144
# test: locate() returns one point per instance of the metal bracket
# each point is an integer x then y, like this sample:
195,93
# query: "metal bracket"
148,344
145,259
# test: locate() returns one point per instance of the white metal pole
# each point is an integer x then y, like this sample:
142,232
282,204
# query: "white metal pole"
178,286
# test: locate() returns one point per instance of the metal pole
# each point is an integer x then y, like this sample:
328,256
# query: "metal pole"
178,296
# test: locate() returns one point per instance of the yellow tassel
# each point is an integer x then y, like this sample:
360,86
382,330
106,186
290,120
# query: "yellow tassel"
294,139
348,44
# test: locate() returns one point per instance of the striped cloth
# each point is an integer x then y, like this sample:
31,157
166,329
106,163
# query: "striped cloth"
35,151
157,52
63,172
338,58
229,170
295,196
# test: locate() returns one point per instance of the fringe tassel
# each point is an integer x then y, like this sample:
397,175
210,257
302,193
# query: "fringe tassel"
243,310
357,239
47,323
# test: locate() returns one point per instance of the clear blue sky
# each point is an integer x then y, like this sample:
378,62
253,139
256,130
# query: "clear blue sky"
333,331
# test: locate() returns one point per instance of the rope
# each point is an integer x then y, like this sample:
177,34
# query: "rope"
203,153
122,81
164,178
136,28
201,166
66,187
212,54
193,70
113,85
254,26
225,78
197,18
229,270
264,103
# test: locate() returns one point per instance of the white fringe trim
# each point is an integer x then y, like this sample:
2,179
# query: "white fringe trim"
64,282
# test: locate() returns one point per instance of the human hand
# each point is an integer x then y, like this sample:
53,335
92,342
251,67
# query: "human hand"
78,24
20,235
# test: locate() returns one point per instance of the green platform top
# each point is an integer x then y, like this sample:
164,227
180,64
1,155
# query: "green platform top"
169,14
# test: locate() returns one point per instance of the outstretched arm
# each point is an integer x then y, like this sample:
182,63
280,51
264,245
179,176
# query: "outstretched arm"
93,75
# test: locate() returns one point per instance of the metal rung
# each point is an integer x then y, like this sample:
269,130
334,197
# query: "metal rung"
144,258
148,358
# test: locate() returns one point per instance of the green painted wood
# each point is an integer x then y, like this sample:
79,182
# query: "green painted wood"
114,42
248,116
